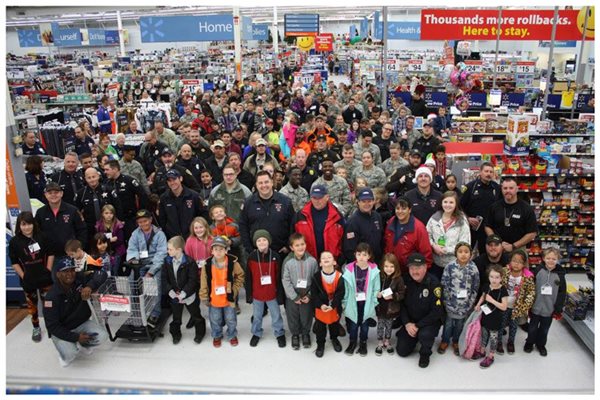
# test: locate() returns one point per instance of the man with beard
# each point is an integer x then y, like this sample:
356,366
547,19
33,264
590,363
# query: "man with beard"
159,179
402,180
187,160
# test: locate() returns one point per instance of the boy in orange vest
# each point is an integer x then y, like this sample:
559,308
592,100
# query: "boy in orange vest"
328,294
221,280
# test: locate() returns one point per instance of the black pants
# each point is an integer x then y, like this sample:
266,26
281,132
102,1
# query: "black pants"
320,330
479,238
538,330
426,336
436,271
177,308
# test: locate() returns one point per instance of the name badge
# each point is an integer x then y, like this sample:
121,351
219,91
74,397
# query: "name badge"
108,235
387,292
201,263
34,247
361,296
144,254
486,310
462,294
301,283
547,290
220,290
265,280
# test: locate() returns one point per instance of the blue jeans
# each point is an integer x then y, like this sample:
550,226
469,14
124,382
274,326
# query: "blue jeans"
538,330
156,310
69,350
353,327
507,320
452,329
258,308
216,316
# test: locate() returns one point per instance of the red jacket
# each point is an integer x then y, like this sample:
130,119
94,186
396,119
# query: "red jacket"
333,234
415,239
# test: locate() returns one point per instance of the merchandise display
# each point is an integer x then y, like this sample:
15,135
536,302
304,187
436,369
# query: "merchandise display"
186,172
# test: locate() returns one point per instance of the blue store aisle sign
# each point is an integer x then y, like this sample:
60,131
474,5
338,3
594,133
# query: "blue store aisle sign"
554,101
97,37
111,37
364,27
301,24
378,26
29,37
260,31
246,28
401,30
582,100
68,37
406,97
513,100
436,99
477,100
202,28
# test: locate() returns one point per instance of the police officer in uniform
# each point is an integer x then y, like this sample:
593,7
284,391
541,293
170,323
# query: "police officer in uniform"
159,181
422,313
401,181
178,207
90,200
478,196
125,193
320,154
150,152
69,178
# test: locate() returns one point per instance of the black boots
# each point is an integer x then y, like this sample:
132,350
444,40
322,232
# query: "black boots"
200,326
175,332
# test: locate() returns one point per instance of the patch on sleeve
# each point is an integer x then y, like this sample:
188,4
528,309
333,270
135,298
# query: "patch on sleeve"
350,235
438,302
463,188
438,292
48,304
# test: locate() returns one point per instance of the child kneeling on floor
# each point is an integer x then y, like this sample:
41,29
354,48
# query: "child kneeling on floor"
180,282
221,280
327,296
390,302
460,283
493,303
361,281
550,295
263,287
299,267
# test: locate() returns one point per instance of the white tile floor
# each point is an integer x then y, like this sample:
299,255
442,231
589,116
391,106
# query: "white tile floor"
188,367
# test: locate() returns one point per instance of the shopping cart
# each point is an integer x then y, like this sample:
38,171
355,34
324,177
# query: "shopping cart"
123,306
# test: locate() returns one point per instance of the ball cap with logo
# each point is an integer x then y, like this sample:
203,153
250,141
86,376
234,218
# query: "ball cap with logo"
52,187
366,194
318,191
493,239
416,260
64,264
173,174
143,214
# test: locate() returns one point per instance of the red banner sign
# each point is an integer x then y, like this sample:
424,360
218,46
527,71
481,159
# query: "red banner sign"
515,24
324,42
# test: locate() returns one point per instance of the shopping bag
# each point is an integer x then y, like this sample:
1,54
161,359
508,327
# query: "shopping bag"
470,338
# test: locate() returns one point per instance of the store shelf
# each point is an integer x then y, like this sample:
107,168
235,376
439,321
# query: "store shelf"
560,135
555,208
553,190
584,329
589,175
573,154
565,224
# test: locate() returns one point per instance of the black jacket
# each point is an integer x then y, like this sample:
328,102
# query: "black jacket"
176,213
187,279
426,146
394,184
422,302
33,263
319,295
67,182
215,170
275,215
477,197
65,226
362,227
423,207
84,201
194,165
127,195
159,184
562,286
64,310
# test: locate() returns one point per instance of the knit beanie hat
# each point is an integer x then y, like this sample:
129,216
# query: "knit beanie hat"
423,169
261,233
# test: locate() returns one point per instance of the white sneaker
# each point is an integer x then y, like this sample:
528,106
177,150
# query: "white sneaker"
63,363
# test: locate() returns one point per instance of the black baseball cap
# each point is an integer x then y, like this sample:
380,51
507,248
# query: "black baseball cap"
416,259
52,186
166,150
415,152
63,264
143,214
493,239
173,174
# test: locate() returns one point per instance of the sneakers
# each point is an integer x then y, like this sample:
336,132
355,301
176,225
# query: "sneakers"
500,349
456,349
362,349
337,346
542,350
296,342
234,341
36,336
379,350
320,350
486,362
254,341
528,348
510,348
477,355
281,341
390,349
306,341
423,361
217,342
350,349
442,348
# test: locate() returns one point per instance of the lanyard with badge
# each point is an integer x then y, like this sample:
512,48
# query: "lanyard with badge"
144,253
219,290
265,279
33,248
546,288
486,308
360,296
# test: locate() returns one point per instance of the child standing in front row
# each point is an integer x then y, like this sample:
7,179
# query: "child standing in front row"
299,267
460,283
550,294
327,296
390,302
520,284
493,303
361,281
221,280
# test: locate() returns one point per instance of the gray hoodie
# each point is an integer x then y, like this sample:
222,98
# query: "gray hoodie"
293,271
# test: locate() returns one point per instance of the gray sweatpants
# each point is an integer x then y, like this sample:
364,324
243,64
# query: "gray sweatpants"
299,317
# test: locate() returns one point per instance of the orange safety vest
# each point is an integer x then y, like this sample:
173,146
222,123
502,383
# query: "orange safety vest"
219,278
329,317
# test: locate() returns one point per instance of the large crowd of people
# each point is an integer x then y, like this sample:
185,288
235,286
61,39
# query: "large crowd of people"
312,198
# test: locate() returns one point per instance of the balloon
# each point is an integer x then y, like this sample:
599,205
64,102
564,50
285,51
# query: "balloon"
447,70
454,77
461,66
355,39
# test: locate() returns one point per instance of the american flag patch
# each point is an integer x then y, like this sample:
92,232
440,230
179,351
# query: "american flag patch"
48,304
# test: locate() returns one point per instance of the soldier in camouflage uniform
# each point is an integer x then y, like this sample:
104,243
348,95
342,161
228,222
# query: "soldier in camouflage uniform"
373,174
348,161
366,143
296,193
395,161
129,166
337,187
